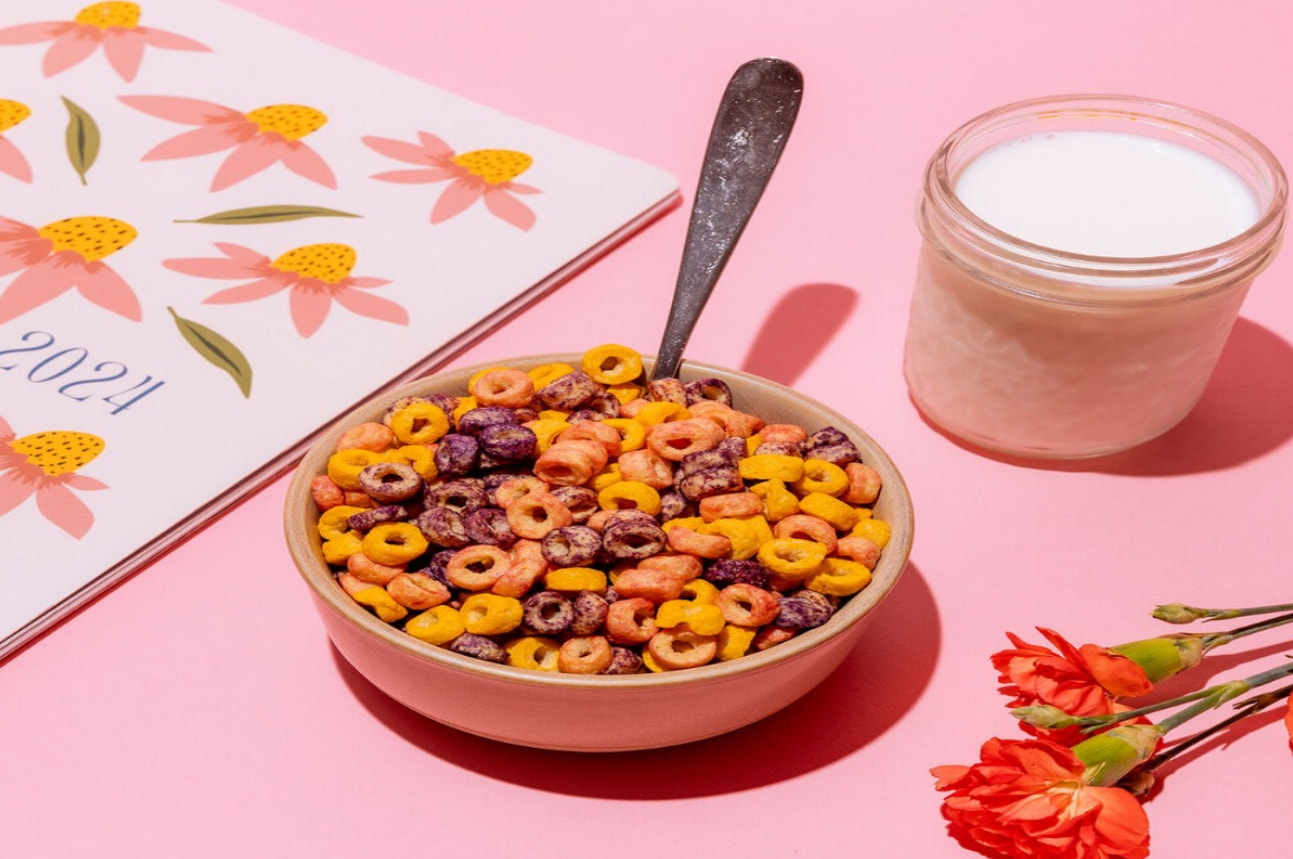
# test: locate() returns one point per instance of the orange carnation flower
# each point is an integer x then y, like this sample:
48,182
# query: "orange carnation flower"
1032,799
1081,681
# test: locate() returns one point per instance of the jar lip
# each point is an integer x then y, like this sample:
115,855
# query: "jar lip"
939,182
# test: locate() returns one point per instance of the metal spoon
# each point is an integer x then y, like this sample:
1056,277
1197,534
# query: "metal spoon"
754,119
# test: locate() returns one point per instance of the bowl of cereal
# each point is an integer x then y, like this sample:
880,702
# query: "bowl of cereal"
554,552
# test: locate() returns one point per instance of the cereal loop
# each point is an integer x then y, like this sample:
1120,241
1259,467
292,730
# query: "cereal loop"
439,625
535,652
419,423
533,515
478,567
490,614
584,654
612,364
394,543
674,649
503,387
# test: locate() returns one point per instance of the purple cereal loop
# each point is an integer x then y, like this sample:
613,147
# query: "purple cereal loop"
579,500
474,420
456,454
674,506
367,519
571,546
668,390
586,415
462,496
489,525
434,564
710,481
389,482
633,540
712,390
590,610
728,571
804,609
443,526
779,448
569,392
547,613
831,445
506,443
623,661
722,455
605,405
478,647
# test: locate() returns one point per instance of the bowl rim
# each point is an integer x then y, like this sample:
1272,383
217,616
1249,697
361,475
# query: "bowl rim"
306,554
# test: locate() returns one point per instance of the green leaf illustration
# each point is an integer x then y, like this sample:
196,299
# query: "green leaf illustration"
217,350
269,215
82,138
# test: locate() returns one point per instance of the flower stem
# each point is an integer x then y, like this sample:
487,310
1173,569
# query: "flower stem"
1181,613
1211,640
1244,709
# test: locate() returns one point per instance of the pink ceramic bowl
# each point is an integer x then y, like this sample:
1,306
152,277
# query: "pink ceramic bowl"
596,713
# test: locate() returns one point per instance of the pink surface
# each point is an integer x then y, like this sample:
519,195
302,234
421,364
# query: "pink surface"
199,709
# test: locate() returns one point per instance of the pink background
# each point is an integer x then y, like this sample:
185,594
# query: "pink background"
198,708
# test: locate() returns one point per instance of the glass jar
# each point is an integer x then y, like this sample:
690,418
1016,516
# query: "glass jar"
1033,351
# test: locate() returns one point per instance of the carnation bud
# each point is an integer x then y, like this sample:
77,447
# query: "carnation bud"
1165,655
1045,716
1179,613
1110,756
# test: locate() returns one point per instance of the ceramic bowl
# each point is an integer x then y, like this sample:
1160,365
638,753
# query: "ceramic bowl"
596,713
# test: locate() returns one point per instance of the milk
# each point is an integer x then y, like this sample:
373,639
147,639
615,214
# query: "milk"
1107,193
1089,317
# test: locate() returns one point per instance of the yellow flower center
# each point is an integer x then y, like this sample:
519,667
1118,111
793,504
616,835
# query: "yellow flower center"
92,236
495,166
293,121
12,113
58,451
114,13
330,263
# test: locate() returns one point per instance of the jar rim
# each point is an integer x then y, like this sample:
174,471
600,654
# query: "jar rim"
1185,121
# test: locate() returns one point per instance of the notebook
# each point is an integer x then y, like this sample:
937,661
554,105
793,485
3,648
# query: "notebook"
216,236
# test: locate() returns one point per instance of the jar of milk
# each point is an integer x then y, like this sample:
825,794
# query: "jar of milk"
1083,262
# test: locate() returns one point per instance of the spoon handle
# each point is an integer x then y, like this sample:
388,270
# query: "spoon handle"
754,119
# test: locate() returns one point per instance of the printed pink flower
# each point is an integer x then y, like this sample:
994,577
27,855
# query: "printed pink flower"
11,160
314,275
113,25
483,174
62,255
45,465
259,138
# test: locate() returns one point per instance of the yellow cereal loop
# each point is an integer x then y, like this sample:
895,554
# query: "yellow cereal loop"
650,664
792,558
338,549
344,466
822,476
734,641
536,652
625,393
546,430
421,457
334,521
381,602
839,577
700,590
439,625
491,614
632,433
394,543
605,478
745,540
752,443
612,364
419,423
628,494
772,466
762,529
840,514
875,530
465,404
546,373
778,501
576,579
690,522
663,412
701,618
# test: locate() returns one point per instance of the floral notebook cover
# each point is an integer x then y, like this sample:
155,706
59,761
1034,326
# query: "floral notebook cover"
216,235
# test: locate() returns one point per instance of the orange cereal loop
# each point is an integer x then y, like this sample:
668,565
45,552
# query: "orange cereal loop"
864,483
743,604
477,567
683,567
326,493
674,649
367,570
370,435
730,504
567,465
607,436
630,621
777,433
503,387
534,515
584,654
418,591
770,636
859,549
711,546
805,527
646,466
612,364
675,440
515,488
734,423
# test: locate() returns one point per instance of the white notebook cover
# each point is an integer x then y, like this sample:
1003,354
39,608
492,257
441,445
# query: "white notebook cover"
216,235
